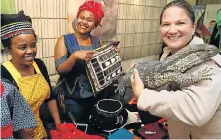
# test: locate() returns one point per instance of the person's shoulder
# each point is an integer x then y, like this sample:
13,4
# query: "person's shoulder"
214,64
8,86
217,59
197,40
2,67
68,35
4,72
94,36
97,40
61,39
40,63
5,81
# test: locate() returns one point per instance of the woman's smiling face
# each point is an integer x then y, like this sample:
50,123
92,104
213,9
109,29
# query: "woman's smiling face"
23,49
177,28
85,22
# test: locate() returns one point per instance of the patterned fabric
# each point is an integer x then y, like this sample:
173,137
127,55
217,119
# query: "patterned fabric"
15,109
35,90
15,24
15,29
104,67
41,65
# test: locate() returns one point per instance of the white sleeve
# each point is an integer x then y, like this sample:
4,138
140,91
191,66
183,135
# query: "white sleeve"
194,105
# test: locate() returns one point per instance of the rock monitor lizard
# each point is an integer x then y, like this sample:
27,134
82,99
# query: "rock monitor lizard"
156,74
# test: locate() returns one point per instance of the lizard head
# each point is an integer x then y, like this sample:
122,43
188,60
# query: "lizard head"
207,51
202,50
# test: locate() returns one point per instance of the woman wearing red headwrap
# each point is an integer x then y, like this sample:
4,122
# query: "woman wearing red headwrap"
70,51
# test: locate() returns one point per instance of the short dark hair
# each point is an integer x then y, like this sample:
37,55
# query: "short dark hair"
181,4
212,21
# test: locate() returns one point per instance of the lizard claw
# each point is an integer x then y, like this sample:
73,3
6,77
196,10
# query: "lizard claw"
120,91
206,74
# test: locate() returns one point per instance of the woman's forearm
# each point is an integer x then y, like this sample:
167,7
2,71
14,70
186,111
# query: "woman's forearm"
67,65
52,105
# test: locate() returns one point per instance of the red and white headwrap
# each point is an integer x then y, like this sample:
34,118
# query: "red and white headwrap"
95,8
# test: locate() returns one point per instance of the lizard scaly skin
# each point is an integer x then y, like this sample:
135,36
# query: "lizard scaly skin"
173,69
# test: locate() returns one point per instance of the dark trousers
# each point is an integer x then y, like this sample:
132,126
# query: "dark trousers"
80,108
